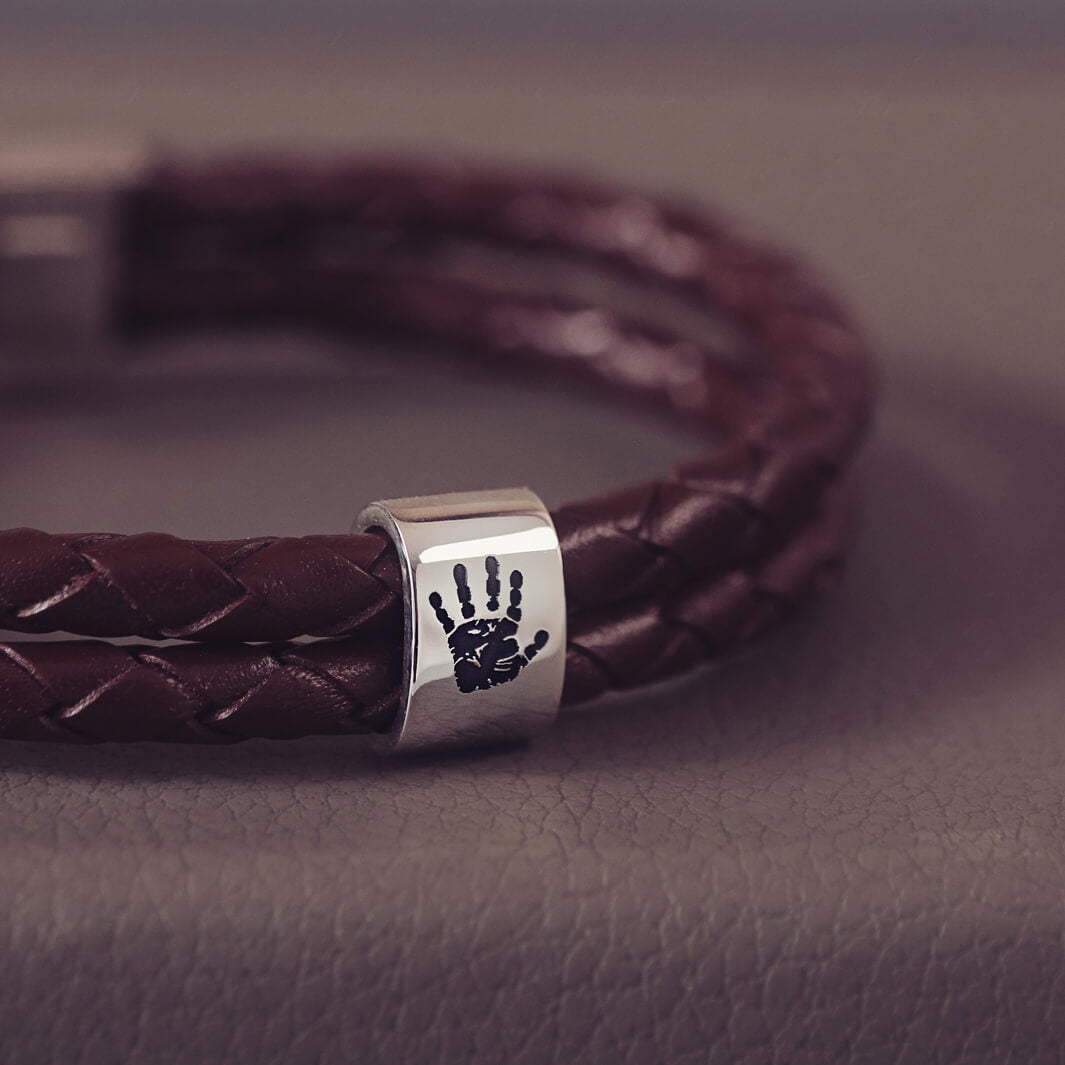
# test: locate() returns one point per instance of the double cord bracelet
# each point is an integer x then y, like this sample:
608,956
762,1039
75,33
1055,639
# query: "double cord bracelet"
445,620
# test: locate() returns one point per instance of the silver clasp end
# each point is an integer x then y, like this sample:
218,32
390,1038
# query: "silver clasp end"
59,211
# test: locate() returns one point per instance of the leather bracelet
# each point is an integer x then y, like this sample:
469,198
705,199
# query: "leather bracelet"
725,332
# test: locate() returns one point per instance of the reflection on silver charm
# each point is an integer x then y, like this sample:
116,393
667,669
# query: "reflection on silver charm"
485,609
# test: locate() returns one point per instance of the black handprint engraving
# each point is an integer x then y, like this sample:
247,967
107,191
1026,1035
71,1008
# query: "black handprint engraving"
485,650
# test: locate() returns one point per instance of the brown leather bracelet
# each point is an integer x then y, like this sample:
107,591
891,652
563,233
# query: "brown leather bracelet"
659,577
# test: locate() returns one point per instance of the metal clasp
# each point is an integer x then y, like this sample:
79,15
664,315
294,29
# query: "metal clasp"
59,210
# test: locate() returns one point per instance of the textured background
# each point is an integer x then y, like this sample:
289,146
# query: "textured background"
846,847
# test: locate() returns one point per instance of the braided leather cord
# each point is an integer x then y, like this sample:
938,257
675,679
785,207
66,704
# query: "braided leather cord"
659,577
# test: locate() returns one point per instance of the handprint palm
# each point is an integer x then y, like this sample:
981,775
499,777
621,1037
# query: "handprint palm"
485,650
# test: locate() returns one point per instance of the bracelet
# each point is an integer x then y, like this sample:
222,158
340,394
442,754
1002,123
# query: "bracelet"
633,587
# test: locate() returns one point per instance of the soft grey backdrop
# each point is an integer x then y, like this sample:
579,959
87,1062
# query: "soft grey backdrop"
928,21
844,848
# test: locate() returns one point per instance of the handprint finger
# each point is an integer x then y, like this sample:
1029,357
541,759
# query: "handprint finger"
491,566
441,614
514,610
463,588
538,644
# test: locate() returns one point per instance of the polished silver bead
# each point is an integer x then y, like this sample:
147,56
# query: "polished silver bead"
485,617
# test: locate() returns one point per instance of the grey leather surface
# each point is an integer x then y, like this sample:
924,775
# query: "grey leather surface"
846,847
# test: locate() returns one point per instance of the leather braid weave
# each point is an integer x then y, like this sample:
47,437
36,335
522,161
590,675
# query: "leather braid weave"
93,691
156,586
658,577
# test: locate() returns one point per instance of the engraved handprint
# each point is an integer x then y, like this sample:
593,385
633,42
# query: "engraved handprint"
485,650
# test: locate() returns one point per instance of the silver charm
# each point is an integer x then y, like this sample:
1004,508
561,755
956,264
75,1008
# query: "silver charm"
485,610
